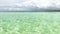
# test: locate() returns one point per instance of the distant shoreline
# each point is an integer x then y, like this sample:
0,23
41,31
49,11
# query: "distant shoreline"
34,11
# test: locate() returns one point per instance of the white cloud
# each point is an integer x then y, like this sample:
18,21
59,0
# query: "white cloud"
30,4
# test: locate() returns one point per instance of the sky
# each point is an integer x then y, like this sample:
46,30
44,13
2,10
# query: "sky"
29,4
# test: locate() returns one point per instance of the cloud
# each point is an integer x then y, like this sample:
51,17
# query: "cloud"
41,3
28,4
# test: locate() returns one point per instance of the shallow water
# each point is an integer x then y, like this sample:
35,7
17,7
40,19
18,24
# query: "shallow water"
29,22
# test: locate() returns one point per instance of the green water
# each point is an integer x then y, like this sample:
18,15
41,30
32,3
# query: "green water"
29,22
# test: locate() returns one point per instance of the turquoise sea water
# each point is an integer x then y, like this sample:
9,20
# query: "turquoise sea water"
29,22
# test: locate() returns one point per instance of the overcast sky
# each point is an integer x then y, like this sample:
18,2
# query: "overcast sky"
24,4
